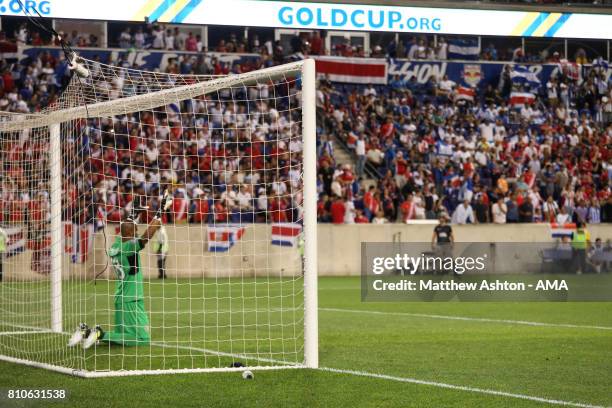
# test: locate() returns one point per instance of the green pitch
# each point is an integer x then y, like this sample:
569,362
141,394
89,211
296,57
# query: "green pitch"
400,354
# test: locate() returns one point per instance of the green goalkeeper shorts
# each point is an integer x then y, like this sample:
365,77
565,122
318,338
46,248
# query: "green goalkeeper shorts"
131,325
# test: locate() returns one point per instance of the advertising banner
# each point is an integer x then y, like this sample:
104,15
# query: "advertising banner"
326,16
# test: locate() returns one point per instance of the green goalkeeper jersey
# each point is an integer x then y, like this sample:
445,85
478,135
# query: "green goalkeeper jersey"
125,258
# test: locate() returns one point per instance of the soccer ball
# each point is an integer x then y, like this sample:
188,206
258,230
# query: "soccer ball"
247,375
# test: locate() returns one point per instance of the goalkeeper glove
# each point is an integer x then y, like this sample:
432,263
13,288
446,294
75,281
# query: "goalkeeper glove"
164,204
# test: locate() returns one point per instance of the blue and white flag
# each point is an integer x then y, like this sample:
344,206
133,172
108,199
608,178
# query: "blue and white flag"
600,63
174,107
463,49
522,75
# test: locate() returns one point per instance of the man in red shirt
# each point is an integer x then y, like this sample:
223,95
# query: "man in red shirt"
387,129
278,209
316,44
200,208
337,211
360,218
408,209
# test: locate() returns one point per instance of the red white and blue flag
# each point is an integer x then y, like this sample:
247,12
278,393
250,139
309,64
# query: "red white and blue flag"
562,230
78,241
465,93
222,237
521,98
286,234
15,242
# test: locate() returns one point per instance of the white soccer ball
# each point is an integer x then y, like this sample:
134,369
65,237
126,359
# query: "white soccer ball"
247,375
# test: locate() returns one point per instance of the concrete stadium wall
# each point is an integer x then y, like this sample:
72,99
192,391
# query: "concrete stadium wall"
340,245
188,255
339,249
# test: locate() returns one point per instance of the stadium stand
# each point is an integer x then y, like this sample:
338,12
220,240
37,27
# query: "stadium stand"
510,153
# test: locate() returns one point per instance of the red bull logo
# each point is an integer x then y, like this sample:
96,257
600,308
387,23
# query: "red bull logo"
472,74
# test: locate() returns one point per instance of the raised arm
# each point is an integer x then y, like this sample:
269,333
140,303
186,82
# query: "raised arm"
151,230
155,225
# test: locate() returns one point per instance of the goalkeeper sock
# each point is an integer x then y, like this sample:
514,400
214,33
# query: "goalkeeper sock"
81,332
96,334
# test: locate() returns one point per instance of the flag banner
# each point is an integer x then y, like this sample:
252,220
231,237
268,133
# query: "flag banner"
518,99
463,49
522,75
479,74
78,241
286,234
570,69
562,230
600,63
222,237
16,241
353,70
465,93
174,108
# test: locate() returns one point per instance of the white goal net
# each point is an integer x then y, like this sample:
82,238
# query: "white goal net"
229,278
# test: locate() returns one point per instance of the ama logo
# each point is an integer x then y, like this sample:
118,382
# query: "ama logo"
472,74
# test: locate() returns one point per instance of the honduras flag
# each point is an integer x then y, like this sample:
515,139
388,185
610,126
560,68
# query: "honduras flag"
174,107
463,49
522,75
600,63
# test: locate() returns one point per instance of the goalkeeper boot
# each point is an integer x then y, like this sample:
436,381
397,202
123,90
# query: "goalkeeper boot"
94,335
81,332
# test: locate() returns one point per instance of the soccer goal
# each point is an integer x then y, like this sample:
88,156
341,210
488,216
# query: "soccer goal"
157,223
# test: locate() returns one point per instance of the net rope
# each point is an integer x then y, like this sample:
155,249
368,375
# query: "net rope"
229,151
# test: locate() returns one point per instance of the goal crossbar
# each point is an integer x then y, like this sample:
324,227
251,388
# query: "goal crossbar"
148,101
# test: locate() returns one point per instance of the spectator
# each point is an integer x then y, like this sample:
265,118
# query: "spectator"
481,208
499,211
594,215
338,211
464,214
526,210
360,151
379,218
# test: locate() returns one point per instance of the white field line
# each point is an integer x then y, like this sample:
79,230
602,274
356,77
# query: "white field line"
221,353
26,327
465,318
459,388
11,333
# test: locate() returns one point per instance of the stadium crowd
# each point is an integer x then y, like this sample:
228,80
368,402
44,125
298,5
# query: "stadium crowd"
487,160
434,152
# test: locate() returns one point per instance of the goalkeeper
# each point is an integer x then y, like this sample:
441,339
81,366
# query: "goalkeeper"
131,320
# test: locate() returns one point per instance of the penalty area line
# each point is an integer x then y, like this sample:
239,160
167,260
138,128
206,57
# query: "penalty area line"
458,387
466,318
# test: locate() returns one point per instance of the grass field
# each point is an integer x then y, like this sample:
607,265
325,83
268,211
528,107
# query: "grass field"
377,354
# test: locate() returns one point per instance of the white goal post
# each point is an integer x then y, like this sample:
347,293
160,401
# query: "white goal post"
238,155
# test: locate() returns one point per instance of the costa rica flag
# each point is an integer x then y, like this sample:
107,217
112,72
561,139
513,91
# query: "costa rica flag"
222,237
285,234
562,230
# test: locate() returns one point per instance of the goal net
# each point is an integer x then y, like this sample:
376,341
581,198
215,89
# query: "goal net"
229,279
